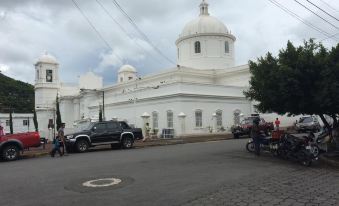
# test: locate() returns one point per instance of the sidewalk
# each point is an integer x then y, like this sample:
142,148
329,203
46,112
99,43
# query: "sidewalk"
38,152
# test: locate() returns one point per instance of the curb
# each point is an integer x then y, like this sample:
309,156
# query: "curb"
167,143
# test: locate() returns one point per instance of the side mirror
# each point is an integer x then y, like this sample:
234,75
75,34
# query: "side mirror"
94,128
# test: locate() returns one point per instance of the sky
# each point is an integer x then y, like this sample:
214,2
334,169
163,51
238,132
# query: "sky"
29,28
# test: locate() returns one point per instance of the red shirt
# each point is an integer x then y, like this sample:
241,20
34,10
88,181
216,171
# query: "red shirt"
277,122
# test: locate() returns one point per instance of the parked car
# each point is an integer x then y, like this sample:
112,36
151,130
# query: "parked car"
103,133
308,124
11,145
246,125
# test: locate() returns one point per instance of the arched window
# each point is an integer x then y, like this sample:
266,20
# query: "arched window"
197,47
155,120
227,47
219,118
198,118
169,119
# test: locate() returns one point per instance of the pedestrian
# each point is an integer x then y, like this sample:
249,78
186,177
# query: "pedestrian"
2,133
255,135
147,132
277,123
61,135
56,147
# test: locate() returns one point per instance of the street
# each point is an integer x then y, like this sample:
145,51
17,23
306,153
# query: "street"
210,173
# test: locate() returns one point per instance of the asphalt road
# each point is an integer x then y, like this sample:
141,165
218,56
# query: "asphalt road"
211,173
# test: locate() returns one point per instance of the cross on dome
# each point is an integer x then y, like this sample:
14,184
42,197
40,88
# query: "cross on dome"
204,8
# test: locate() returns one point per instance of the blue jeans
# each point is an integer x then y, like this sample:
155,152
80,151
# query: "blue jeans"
257,142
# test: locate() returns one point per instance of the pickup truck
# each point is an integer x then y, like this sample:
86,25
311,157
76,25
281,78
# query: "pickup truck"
11,145
246,125
103,133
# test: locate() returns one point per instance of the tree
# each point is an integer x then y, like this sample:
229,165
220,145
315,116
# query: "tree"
100,114
301,80
58,115
35,120
11,121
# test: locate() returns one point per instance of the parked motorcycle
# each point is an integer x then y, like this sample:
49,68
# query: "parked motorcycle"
266,144
295,148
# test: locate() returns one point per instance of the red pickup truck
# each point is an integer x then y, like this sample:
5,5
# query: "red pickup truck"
11,145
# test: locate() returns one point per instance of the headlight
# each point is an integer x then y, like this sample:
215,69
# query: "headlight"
70,136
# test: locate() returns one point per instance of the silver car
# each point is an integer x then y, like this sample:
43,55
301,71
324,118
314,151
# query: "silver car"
308,123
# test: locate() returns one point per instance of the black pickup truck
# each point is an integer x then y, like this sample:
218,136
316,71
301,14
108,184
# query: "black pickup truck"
103,133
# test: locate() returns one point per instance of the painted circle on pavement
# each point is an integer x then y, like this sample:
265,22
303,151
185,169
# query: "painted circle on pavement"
103,182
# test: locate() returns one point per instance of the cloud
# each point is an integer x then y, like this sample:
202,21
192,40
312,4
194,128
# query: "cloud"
30,27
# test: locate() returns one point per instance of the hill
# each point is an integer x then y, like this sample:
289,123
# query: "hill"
16,94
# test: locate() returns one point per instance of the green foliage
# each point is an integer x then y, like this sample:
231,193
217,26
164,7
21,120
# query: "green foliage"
15,94
100,114
58,115
35,120
10,122
301,80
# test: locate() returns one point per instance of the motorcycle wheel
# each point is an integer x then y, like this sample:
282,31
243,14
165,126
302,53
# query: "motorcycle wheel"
250,146
315,150
305,158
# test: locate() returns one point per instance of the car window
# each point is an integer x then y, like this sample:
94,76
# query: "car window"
100,127
124,125
306,120
112,125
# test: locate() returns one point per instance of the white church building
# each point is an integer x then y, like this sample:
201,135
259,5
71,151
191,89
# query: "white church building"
202,94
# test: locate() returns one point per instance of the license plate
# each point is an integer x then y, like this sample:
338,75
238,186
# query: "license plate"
308,147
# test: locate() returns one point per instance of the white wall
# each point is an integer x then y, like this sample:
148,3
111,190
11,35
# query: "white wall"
18,119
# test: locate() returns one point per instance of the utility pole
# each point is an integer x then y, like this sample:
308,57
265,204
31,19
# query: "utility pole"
103,105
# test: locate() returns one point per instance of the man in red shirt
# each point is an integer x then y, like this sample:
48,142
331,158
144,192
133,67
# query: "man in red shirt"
277,123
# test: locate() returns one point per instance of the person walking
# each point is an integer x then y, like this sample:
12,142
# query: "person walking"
277,124
2,133
61,135
255,135
147,132
56,147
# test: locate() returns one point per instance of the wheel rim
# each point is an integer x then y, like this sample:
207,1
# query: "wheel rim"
315,151
128,142
82,146
11,153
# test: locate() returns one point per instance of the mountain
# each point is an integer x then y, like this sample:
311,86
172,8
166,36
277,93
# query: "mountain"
15,94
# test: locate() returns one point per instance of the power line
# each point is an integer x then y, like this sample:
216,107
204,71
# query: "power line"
96,31
307,23
316,14
333,35
143,35
322,10
123,29
329,6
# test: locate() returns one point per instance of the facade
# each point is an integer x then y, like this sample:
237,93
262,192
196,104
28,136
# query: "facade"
203,93
21,122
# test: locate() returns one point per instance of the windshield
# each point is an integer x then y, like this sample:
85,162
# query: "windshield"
306,120
84,126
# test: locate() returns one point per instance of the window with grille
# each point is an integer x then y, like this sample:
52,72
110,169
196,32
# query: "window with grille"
219,118
25,122
155,120
197,47
170,119
198,118
49,75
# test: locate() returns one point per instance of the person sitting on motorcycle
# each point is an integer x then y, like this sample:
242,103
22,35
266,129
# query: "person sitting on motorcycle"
255,135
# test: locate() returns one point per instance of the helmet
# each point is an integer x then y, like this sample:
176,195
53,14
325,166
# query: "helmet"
256,120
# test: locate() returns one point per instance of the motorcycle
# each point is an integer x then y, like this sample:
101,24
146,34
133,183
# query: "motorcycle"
295,148
266,144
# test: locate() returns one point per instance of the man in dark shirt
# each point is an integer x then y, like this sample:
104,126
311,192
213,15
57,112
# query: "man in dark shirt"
255,135
61,135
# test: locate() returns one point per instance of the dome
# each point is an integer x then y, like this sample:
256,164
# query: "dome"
127,68
47,58
204,24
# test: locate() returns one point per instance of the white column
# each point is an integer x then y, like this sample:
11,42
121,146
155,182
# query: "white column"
215,127
182,118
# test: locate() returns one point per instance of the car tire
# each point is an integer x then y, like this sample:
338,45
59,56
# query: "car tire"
10,153
250,147
127,142
82,145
